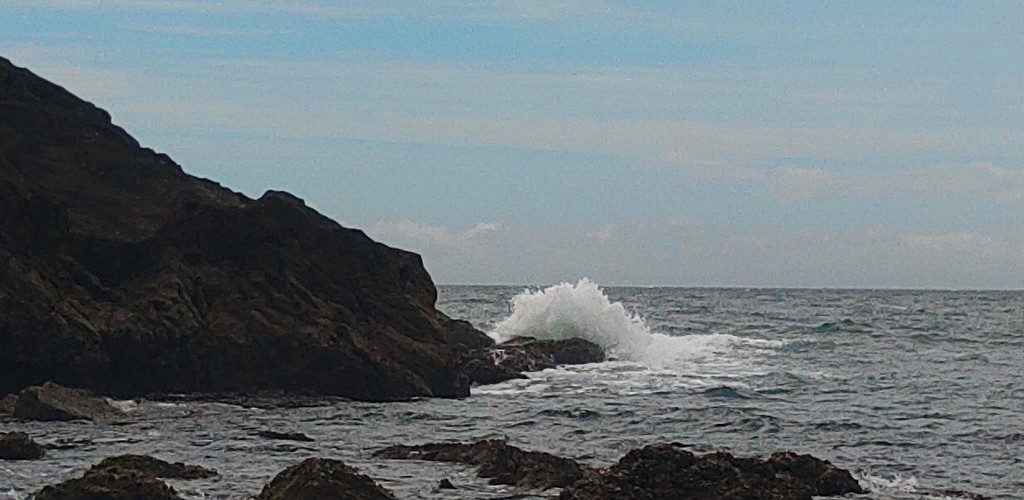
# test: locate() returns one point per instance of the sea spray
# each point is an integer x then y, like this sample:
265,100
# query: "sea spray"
582,310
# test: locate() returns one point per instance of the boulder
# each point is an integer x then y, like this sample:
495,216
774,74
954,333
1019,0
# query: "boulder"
121,273
19,446
52,401
497,460
154,467
508,360
669,471
319,478
125,477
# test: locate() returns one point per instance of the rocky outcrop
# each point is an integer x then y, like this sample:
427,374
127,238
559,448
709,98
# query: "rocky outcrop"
509,360
52,401
319,478
668,471
19,446
121,273
125,477
497,460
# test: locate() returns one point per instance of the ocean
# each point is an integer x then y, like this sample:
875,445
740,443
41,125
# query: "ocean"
918,393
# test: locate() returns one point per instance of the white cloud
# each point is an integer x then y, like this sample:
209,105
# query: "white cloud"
452,10
357,97
690,253
795,184
200,31
408,233
982,180
710,170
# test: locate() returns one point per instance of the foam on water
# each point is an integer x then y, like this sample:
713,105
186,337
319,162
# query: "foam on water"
582,310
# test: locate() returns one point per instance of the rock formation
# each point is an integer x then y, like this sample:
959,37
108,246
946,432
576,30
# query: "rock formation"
668,471
19,446
508,360
497,460
121,273
52,401
125,477
319,478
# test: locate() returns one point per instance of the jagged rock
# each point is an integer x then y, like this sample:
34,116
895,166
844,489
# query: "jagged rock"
19,446
285,436
319,478
668,471
125,477
156,468
497,460
445,484
508,360
52,401
122,274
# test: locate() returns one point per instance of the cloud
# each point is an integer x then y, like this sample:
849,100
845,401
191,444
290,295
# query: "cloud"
642,110
408,233
692,253
987,181
198,31
795,184
710,170
450,10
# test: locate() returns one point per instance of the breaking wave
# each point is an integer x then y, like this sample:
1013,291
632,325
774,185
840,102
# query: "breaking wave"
582,310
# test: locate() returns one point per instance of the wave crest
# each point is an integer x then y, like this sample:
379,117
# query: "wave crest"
582,310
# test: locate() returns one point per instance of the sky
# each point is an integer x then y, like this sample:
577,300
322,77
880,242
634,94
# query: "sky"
871,144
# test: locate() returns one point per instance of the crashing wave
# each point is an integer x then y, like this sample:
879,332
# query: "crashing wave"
582,310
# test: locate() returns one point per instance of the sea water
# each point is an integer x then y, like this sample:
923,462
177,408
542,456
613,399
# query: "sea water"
918,393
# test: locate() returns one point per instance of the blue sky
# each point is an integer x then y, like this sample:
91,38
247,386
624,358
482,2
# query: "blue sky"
842,144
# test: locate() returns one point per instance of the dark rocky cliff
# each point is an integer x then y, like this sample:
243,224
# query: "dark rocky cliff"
121,273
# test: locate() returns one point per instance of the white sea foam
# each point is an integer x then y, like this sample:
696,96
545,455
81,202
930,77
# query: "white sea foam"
582,310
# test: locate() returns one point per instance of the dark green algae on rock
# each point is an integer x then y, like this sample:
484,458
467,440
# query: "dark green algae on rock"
125,477
123,274
322,478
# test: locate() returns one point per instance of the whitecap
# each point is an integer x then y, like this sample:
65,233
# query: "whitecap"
582,310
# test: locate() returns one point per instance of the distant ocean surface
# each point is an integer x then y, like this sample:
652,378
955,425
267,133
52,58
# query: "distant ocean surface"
918,393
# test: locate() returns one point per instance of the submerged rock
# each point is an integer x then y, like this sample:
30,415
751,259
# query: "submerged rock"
668,471
125,477
285,436
123,274
19,446
526,354
52,401
497,460
321,478
155,467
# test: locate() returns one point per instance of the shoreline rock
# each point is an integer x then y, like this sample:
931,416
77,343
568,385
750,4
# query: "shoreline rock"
125,477
19,446
320,478
653,472
509,360
498,461
54,402
669,471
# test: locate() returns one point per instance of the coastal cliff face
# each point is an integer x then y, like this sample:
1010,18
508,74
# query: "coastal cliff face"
121,273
